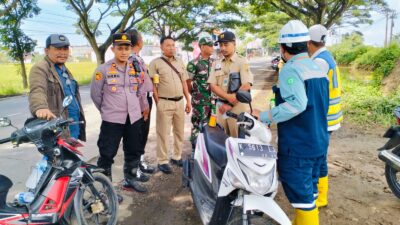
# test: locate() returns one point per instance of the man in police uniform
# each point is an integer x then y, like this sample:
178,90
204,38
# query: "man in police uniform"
228,76
324,59
168,95
140,66
116,91
199,71
50,81
302,105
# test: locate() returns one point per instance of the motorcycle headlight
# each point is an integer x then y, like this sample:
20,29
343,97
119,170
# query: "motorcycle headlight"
261,183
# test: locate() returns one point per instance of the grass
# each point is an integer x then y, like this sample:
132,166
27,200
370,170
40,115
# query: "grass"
364,103
11,79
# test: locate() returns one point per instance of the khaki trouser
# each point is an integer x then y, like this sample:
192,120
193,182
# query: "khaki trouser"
170,113
229,124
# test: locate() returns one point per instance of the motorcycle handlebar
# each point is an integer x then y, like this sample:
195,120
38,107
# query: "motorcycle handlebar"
231,114
5,140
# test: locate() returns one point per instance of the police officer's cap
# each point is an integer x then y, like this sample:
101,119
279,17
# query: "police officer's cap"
57,40
121,39
226,36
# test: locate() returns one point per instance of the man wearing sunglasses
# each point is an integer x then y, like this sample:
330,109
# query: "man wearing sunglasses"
50,82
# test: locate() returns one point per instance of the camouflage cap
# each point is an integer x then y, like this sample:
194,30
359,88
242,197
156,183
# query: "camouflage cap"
206,41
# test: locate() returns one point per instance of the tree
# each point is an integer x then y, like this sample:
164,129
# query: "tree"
325,12
6,6
13,38
92,13
185,20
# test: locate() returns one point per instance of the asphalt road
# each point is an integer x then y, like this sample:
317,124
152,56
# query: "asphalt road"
16,163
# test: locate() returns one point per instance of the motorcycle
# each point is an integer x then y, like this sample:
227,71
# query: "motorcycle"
390,154
70,191
275,62
233,181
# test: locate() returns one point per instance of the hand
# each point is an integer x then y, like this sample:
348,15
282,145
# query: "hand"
232,99
224,108
45,114
188,108
256,114
145,114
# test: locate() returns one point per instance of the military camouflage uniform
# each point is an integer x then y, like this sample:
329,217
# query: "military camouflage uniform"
199,70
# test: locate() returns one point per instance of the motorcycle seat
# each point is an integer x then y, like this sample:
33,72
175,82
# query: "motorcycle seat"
215,143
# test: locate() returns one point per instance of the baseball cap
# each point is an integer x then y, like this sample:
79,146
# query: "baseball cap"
206,41
57,40
121,39
226,36
318,33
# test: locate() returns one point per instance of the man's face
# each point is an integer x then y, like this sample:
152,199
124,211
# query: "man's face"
58,55
227,48
206,49
121,52
168,47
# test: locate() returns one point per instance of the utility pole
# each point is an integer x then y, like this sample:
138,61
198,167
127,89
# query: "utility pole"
393,16
386,29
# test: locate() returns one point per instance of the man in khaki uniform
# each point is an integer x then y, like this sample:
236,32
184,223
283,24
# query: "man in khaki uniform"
227,76
168,96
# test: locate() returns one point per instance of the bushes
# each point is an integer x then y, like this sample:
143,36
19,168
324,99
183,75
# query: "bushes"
349,55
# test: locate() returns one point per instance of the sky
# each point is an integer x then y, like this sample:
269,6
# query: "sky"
55,18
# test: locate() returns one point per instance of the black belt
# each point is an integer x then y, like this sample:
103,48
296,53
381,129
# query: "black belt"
175,99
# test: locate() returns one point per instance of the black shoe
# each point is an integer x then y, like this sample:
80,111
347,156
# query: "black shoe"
108,173
140,176
130,184
177,162
165,168
120,198
144,167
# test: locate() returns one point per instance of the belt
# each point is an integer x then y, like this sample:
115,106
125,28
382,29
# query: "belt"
175,99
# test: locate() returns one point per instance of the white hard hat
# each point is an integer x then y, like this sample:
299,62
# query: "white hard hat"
318,33
294,31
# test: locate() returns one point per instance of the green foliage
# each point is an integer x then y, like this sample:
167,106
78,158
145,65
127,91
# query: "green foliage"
364,104
349,48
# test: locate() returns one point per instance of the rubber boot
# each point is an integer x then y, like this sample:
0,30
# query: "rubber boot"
322,200
131,181
145,167
306,217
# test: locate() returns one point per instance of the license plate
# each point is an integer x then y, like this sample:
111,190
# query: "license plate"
256,150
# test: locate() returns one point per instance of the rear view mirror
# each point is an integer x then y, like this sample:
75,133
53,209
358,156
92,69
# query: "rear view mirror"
5,122
243,96
67,101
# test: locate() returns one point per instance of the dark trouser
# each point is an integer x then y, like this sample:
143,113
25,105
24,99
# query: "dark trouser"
323,170
146,125
110,137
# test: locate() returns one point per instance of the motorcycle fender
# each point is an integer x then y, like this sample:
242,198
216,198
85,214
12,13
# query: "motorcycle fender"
266,205
394,134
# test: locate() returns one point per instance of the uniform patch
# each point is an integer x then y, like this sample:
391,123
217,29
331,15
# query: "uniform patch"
290,81
225,82
99,76
114,89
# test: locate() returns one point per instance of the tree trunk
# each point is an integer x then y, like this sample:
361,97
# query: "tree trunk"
23,72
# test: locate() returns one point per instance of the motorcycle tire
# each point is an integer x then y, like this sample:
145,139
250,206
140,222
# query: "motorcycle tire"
256,219
85,201
393,177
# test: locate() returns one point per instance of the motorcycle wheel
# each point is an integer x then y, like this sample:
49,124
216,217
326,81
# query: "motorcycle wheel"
256,219
87,201
393,177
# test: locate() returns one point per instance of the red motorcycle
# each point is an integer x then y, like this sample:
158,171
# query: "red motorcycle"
70,191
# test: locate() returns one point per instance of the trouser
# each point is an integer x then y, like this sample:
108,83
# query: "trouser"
170,113
200,114
323,170
146,124
230,124
299,177
110,138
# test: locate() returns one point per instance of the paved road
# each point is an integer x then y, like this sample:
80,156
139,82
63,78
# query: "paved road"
16,163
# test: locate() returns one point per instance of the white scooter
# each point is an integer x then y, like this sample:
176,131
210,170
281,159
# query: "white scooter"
233,181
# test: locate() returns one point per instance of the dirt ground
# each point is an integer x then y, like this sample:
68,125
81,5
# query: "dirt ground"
358,191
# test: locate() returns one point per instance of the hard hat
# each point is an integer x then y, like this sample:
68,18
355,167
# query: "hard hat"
318,33
294,31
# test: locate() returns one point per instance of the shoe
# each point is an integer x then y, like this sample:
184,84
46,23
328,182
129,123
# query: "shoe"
306,217
144,167
177,162
322,199
165,168
130,184
140,176
108,173
120,198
